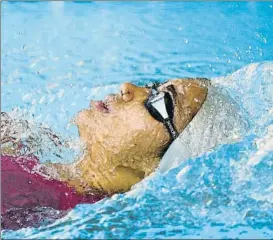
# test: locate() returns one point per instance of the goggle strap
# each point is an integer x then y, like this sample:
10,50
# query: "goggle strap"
174,134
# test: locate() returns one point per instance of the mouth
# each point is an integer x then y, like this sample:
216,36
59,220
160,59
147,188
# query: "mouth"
102,106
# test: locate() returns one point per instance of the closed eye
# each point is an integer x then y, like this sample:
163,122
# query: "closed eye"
173,92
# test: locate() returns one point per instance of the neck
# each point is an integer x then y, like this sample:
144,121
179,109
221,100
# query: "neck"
109,175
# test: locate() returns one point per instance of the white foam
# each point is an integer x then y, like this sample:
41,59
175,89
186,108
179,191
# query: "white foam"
180,175
18,126
264,146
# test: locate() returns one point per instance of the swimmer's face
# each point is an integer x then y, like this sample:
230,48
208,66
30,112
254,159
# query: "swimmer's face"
121,131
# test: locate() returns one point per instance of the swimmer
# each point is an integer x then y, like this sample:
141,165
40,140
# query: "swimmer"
125,137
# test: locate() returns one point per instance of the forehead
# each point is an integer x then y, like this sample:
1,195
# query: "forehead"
185,82
177,83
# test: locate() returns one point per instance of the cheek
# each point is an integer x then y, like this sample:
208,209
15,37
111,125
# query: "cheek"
147,134
135,129
130,127
137,118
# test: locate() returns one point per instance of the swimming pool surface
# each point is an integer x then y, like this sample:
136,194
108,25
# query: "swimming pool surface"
57,56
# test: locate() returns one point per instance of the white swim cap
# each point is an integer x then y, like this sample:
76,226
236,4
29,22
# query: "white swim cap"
218,122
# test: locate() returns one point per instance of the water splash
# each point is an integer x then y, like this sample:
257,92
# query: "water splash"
51,72
223,193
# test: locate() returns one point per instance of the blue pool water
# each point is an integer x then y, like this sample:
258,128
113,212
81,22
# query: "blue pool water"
57,56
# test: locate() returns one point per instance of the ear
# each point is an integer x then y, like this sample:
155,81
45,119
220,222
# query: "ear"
192,93
196,95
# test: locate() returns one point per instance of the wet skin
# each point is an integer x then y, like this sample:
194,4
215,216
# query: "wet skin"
124,143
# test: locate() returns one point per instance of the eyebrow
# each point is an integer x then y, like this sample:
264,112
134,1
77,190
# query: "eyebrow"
172,90
170,87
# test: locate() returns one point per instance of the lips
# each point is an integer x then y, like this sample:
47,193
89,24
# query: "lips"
101,106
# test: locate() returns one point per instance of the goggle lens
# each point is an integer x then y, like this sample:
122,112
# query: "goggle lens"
160,106
169,107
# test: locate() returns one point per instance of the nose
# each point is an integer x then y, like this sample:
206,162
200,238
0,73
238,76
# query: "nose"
127,91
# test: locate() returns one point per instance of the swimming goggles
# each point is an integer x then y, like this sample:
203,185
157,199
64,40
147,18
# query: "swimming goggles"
160,106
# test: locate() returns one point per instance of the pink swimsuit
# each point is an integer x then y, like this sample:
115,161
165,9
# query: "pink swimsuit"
24,192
